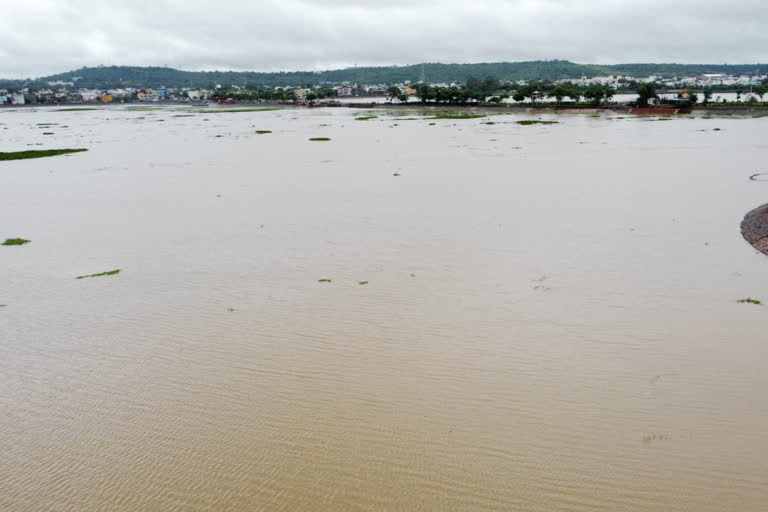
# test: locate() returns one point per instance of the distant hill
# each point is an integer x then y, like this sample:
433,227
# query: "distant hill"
104,77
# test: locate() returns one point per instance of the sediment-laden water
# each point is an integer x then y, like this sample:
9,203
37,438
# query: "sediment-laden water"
550,320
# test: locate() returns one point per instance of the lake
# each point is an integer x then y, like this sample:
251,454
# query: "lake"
549,320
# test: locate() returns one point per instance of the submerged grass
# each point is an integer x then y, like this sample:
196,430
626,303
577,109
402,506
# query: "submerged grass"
452,114
16,241
233,110
362,282
320,139
528,122
107,273
324,280
262,132
749,300
37,153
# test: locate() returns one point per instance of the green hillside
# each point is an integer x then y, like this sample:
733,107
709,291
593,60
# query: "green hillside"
103,77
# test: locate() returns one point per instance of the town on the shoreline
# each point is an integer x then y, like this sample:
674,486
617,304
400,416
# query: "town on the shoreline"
598,90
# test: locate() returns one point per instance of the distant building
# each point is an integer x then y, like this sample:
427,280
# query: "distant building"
18,99
3,100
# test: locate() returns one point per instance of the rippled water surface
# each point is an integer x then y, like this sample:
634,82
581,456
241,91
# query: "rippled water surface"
550,320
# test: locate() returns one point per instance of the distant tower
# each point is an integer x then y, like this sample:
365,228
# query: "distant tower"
423,79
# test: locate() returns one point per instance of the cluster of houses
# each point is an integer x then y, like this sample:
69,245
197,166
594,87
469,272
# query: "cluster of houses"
694,82
64,92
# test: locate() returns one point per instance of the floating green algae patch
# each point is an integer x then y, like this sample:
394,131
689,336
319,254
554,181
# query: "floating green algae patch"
107,273
233,110
37,153
320,139
324,280
528,122
749,300
456,115
362,282
262,132
16,241
47,133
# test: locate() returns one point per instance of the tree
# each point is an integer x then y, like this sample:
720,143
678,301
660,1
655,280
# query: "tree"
402,98
645,93
574,92
425,93
608,92
559,92
739,90
759,90
595,94
529,90
393,92
707,95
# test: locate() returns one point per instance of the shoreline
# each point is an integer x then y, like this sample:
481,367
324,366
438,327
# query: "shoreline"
619,108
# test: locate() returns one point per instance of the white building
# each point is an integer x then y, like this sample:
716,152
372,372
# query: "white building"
17,99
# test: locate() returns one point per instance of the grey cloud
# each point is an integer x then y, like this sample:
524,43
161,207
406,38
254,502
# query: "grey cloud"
39,37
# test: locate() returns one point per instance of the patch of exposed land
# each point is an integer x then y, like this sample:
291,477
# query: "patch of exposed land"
754,228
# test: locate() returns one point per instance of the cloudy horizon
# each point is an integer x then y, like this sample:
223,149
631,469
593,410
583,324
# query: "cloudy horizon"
43,37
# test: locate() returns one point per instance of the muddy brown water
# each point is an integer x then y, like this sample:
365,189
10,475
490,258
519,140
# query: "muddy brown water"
550,320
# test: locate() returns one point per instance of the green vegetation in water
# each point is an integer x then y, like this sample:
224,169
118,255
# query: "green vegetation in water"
754,176
324,280
47,133
140,109
489,122
320,139
76,109
396,174
365,118
219,136
432,124
107,273
749,300
230,309
715,129
184,115
3,305
452,114
47,124
528,122
233,110
262,132
362,282
37,153
16,241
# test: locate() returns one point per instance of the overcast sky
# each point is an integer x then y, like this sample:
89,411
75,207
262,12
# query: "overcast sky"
40,37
